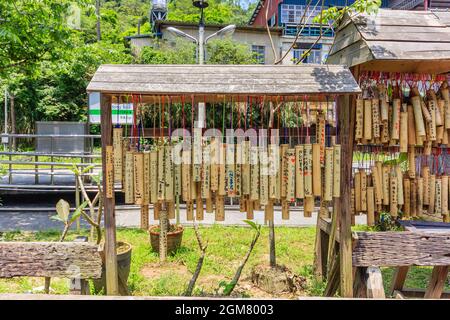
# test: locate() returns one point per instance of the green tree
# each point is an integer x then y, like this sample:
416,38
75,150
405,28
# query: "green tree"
228,51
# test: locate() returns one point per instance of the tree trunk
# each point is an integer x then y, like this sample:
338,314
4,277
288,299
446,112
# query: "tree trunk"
273,259
97,13
164,228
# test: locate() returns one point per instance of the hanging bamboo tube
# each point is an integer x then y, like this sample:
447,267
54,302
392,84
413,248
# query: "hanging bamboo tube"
411,126
316,170
153,176
379,166
177,180
444,181
168,175
418,116
125,148
238,171
426,185
370,207
367,124
400,194
307,160
299,185
412,162
284,209
206,173
160,177
407,205
336,170
273,169
268,211
384,106
214,180
377,186
426,113
190,211
156,210
129,178
438,197
404,132
146,178
445,96
210,205
220,208
420,193
230,171
197,155
320,137
395,130
328,184
359,127
264,178
363,178
249,208
290,168
246,168
186,176
413,198
386,172
440,129
118,157
199,212
222,173
376,118
254,169
432,192
385,132
432,124
393,193
308,206
357,192
283,182
352,202
242,204
138,177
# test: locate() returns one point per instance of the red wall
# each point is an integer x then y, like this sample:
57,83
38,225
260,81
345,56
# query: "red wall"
273,9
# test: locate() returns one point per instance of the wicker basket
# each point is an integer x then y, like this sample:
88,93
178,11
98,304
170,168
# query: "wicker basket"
173,239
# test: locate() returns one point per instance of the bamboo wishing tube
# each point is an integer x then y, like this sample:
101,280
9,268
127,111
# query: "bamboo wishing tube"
190,210
400,193
407,205
320,137
138,177
222,173
359,126
254,168
308,206
426,185
386,198
290,168
249,208
363,174
153,176
129,175
426,113
445,96
316,170
379,166
268,211
206,174
283,149
168,174
177,180
393,193
328,187
273,169
109,172
161,177
336,170
404,132
385,132
214,171
307,161
263,177
411,127
299,185
412,162
413,198
125,148
420,193
284,209
197,155
395,130
432,192
186,176
220,208
384,107
418,116
444,201
238,171
357,192
370,207
118,157
146,177
376,118
367,120
378,193
246,167
432,124
438,197
230,170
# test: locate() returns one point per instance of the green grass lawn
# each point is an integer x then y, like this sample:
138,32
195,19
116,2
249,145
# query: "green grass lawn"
226,248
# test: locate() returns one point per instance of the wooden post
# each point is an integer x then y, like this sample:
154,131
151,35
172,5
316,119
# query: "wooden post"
347,127
112,283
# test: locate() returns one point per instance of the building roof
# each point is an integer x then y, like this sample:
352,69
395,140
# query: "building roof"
223,79
255,12
169,23
394,40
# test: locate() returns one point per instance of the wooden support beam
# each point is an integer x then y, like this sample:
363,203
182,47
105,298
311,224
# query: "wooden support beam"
374,283
398,279
112,284
437,282
346,125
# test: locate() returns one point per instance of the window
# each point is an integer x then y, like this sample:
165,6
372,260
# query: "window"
272,21
294,13
315,56
260,53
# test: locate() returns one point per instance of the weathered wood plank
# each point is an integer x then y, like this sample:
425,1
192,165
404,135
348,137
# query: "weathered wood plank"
399,18
50,259
399,278
437,282
414,33
395,249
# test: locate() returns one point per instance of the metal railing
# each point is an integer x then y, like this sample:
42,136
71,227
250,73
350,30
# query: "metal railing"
40,164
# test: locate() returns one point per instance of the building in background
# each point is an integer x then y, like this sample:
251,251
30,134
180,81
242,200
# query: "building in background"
283,20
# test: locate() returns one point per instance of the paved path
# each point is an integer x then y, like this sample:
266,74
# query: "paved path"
127,216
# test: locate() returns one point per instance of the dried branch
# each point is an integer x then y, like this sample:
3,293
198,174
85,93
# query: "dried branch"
275,55
203,247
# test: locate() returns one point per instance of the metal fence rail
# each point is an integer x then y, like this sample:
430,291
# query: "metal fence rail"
15,164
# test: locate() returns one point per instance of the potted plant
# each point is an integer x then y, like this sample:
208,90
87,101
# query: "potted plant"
174,237
94,218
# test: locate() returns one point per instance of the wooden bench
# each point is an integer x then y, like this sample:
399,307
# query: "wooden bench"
77,261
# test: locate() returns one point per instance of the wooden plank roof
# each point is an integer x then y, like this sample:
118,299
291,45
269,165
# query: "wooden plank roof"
393,36
223,79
